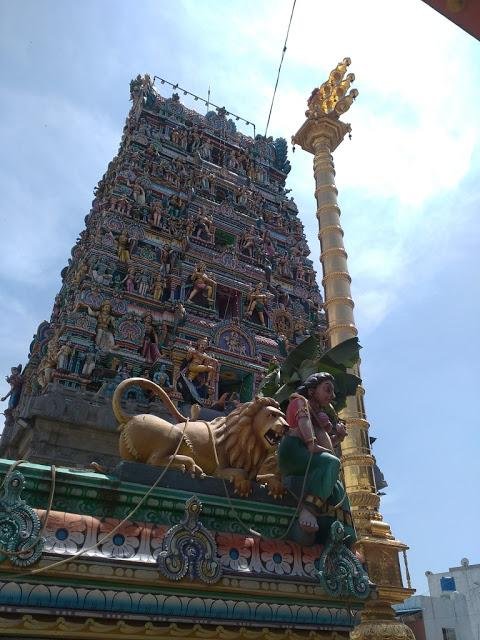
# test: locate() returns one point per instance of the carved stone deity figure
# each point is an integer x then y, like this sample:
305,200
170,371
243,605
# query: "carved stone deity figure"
179,316
143,281
204,180
189,228
63,355
123,247
150,341
80,273
204,226
157,213
104,339
202,283
175,206
194,141
162,378
15,380
268,244
48,363
232,161
139,194
167,257
205,151
242,196
247,244
199,362
257,300
284,268
88,365
140,86
159,287
299,269
129,280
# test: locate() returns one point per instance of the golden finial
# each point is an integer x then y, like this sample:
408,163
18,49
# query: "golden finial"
332,97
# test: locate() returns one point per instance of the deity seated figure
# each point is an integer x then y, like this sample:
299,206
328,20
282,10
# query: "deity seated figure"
308,462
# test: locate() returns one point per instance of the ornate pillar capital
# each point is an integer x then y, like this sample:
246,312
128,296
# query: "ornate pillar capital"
321,133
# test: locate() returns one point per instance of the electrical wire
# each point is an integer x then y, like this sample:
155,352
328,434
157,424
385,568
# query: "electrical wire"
280,66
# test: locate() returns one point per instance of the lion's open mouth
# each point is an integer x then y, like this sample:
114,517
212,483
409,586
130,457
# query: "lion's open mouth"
272,437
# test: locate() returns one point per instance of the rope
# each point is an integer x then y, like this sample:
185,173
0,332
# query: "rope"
11,554
280,66
119,525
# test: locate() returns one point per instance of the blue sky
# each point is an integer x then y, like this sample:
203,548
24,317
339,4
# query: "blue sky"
408,190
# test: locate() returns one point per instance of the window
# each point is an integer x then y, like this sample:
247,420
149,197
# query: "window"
448,634
447,583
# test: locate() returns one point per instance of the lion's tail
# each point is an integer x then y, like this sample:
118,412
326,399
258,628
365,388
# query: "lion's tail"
122,418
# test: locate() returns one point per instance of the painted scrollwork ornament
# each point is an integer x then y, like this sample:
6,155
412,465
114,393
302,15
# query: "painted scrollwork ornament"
189,548
19,525
340,572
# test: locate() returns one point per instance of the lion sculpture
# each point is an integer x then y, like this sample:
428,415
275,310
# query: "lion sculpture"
232,447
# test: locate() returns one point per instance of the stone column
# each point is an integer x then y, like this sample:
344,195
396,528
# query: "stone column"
320,135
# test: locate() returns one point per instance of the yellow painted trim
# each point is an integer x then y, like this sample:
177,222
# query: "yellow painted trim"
36,627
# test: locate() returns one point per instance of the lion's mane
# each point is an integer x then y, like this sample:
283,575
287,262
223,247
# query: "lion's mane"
236,435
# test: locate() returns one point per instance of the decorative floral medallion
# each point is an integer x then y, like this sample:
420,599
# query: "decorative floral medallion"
123,543
234,551
276,556
65,533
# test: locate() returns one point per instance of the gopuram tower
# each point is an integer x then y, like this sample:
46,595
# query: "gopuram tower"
320,135
192,271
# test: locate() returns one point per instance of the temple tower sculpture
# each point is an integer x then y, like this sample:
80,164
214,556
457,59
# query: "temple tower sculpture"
321,134
192,270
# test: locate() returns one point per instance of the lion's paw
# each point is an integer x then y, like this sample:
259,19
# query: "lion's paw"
275,488
196,471
242,486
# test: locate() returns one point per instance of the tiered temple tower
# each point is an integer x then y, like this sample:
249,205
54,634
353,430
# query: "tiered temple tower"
192,271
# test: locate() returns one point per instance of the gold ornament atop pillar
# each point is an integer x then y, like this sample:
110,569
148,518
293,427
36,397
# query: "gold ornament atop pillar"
321,134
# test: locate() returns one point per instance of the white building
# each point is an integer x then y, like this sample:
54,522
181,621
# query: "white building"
464,580
452,611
